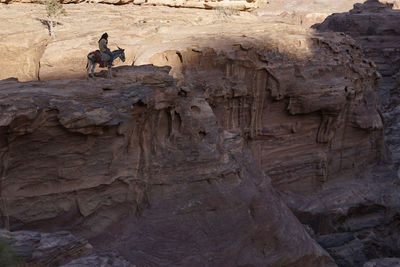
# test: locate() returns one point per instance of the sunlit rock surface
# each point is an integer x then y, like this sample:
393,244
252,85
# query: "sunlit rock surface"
154,167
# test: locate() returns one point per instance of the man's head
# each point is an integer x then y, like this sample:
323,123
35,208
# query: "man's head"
104,36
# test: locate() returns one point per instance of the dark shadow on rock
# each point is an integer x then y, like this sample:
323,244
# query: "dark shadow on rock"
175,174
374,27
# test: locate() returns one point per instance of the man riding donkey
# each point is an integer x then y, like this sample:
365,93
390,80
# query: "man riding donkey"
105,52
104,57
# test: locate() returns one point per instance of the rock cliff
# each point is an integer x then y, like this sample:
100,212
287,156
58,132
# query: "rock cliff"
162,164
308,110
372,25
30,54
142,168
312,120
374,226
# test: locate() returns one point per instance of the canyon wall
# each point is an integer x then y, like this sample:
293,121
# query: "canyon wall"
371,229
139,166
373,26
307,116
154,167
309,113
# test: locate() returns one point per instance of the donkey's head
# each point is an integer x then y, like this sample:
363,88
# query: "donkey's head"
121,53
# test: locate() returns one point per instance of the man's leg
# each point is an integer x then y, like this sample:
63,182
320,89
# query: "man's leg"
110,55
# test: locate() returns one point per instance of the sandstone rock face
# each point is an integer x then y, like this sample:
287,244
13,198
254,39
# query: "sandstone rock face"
29,53
154,167
373,26
134,29
287,65
304,6
21,51
371,227
306,116
142,167
223,5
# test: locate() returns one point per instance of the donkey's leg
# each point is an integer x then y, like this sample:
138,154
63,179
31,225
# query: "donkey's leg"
109,72
88,66
93,66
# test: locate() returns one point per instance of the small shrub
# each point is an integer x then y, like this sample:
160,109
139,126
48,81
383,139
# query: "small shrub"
7,254
53,9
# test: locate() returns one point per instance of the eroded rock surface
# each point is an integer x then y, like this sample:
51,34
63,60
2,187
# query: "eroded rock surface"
374,27
46,249
142,162
386,262
30,54
223,6
141,168
307,114
373,225
313,122
99,261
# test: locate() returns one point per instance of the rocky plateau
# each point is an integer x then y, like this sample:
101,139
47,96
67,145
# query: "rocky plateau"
227,138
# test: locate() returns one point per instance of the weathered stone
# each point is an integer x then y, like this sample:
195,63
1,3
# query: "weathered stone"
335,240
143,162
46,249
372,213
227,6
300,113
99,261
385,262
141,31
139,169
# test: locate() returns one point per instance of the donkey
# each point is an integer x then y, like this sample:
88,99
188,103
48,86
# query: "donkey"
95,58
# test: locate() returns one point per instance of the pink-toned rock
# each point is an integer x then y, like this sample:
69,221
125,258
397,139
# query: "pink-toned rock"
300,114
226,5
21,50
143,31
350,215
142,168
161,164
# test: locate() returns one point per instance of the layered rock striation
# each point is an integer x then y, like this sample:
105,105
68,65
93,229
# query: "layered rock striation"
308,110
142,168
164,170
370,229
222,5
373,25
